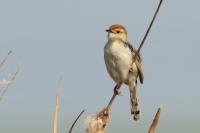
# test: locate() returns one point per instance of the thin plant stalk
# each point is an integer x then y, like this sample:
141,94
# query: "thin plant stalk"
6,83
5,58
149,28
155,121
56,108
72,126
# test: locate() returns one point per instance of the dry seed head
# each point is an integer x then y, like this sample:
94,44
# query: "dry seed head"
97,123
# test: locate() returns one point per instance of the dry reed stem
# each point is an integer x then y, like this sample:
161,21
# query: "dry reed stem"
56,108
6,83
148,30
5,58
55,118
155,121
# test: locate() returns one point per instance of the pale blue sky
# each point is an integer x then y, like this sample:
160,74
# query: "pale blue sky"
51,38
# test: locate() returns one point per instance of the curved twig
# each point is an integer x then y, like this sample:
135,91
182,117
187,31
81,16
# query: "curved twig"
76,120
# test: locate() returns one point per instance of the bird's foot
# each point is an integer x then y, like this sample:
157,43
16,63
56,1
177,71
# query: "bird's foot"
117,90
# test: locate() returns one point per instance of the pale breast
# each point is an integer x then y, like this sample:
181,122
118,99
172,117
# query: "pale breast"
118,60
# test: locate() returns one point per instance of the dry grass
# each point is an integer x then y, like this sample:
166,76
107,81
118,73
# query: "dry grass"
56,107
155,121
55,118
2,62
6,82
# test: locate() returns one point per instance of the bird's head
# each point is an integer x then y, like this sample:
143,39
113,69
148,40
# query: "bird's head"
117,31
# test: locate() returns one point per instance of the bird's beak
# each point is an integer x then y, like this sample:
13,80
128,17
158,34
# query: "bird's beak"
109,31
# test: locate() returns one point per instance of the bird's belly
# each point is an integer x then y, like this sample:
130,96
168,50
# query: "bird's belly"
118,63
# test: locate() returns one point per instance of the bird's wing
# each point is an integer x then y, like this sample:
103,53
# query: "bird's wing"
140,71
137,62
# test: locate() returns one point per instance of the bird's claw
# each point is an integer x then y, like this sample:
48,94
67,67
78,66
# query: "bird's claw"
117,91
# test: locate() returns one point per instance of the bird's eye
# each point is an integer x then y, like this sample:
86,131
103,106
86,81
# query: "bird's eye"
118,31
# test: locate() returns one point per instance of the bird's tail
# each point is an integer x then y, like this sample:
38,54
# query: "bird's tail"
134,100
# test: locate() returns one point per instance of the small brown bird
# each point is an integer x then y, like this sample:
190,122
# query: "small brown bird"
121,65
